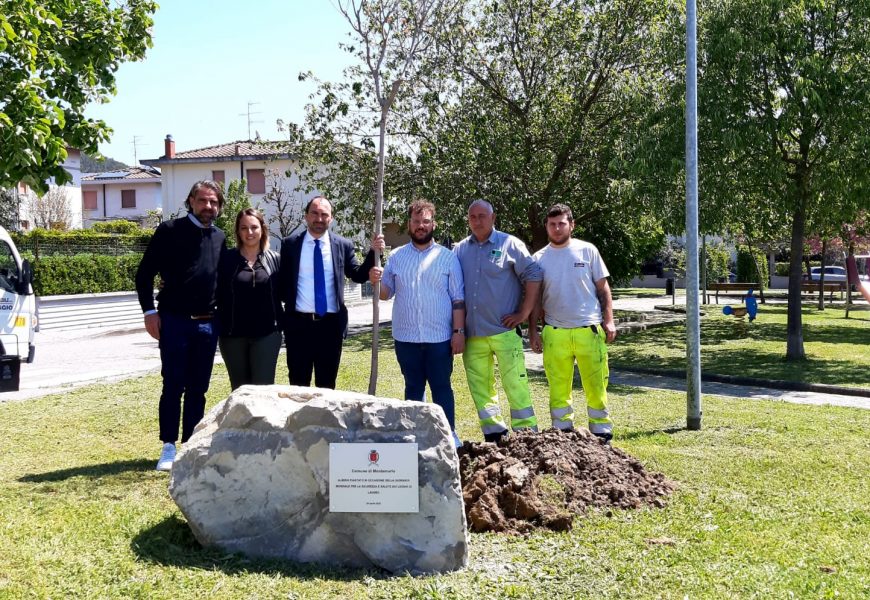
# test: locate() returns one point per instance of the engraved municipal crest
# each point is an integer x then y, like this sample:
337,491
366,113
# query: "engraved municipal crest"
373,457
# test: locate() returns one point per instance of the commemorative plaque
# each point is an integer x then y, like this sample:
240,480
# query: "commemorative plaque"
371,477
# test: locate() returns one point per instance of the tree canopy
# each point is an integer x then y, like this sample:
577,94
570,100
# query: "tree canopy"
783,96
522,103
57,57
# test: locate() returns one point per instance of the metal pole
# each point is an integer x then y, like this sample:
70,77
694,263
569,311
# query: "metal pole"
693,318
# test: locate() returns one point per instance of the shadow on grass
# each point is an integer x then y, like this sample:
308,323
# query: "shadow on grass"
92,471
363,341
633,435
732,347
634,293
171,543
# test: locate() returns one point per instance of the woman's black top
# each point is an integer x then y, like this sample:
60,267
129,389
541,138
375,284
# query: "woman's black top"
248,303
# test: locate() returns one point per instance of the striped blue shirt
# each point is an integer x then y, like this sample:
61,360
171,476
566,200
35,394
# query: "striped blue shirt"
425,283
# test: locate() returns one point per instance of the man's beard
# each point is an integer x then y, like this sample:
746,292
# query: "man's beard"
559,241
425,239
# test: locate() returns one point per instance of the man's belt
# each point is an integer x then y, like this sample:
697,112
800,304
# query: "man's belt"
594,328
313,316
203,317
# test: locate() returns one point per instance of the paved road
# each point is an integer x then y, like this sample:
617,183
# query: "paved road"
70,359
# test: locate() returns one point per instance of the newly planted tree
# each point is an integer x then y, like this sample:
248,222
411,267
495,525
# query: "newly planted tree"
391,41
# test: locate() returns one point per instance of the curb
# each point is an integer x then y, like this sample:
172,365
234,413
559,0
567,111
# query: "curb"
776,384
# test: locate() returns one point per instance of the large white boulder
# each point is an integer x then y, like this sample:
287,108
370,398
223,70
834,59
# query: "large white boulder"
254,479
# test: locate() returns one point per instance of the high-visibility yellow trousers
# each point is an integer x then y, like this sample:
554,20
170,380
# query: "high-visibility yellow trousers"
479,360
587,346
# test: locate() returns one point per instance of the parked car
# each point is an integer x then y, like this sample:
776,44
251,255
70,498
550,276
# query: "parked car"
833,274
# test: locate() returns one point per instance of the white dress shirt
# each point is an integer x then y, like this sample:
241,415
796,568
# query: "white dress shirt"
305,281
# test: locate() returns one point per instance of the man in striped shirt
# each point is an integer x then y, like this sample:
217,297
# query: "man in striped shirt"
428,311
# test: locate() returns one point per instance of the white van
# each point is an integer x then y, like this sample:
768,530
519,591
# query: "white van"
18,320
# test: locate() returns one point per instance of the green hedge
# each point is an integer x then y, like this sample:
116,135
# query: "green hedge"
746,271
84,274
42,242
119,226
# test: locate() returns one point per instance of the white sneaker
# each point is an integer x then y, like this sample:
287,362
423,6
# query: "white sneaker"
167,457
456,441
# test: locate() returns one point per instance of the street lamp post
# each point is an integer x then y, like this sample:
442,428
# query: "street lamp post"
693,317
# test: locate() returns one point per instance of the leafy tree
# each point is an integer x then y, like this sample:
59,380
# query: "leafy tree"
236,199
783,93
533,107
58,56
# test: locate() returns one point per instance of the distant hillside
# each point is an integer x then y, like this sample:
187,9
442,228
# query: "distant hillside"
92,165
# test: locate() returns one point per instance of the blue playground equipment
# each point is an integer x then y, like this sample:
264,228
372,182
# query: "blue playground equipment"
750,309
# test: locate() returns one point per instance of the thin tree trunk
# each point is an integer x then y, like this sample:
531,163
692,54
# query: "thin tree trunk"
794,329
822,275
704,268
378,229
849,283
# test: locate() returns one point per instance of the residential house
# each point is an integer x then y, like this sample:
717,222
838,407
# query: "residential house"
128,194
61,206
263,165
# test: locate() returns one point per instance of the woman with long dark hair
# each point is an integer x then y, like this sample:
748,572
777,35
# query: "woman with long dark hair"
248,304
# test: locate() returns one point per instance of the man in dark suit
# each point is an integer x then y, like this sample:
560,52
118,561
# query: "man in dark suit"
314,264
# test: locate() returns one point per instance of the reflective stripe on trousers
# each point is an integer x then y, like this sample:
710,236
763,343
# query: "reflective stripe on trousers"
561,348
481,353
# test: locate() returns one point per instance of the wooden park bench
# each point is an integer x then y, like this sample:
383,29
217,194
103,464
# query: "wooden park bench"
812,287
730,288
807,287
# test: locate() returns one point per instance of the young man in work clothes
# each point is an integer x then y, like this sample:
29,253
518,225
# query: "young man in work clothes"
578,323
185,253
502,284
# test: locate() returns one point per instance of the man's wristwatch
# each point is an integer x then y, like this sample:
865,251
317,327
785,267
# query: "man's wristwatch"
460,330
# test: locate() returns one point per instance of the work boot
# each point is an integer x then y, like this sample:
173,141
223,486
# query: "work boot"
604,437
167,457
494,437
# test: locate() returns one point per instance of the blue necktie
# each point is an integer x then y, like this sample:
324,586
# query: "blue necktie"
319,281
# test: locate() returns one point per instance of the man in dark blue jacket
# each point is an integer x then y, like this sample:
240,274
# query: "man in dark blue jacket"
185,253
314,263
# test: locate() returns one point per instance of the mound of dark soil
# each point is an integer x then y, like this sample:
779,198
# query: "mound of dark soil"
533,480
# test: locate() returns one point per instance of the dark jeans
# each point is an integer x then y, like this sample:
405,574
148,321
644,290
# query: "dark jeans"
187,348
251,360
313,346
432,364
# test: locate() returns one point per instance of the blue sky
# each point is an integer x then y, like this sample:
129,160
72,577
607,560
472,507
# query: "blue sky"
210,58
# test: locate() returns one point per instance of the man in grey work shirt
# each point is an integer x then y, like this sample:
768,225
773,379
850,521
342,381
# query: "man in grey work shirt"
502,282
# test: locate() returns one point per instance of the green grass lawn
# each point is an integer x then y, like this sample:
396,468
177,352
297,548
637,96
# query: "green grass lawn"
837,349
629,292
772,503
